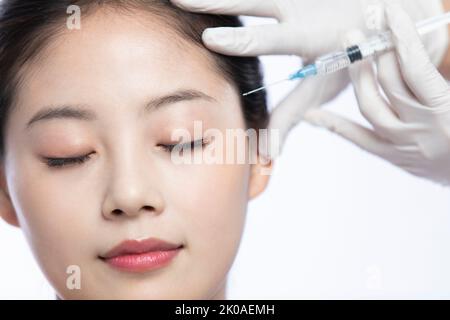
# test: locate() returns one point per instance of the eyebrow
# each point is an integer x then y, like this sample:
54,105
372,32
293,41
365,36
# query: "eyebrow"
78,112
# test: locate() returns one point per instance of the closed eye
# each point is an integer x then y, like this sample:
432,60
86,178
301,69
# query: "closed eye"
63,162
184,146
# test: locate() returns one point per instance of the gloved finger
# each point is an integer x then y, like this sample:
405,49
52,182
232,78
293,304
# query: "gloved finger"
250,40
359,135
390,78
289,113
371,103
261,8
418,71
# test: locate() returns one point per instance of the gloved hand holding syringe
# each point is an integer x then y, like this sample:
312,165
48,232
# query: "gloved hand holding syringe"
406,102
340,60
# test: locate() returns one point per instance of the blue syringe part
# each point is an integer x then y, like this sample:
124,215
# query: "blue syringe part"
309,70
305,72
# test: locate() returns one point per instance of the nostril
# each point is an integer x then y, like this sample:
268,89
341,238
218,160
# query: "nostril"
117,212
148,208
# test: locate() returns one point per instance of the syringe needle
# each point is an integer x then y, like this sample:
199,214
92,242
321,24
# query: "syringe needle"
253,91
264,87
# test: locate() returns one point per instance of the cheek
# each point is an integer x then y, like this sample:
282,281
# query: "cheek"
60,226
53,216
213,208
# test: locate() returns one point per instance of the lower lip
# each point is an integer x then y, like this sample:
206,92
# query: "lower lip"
143,262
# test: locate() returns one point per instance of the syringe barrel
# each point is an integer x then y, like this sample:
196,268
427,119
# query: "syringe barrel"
376,45
332,63
340,60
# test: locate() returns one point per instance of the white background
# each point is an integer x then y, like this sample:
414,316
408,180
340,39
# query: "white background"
335,222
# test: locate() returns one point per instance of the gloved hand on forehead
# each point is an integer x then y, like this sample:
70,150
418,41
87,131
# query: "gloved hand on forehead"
411,128
307,28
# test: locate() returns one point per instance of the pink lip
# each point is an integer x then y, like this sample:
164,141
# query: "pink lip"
141,256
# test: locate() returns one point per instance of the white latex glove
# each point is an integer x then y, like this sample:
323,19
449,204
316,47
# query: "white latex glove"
411,129
307,28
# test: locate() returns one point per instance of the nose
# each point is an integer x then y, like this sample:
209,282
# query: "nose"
132,191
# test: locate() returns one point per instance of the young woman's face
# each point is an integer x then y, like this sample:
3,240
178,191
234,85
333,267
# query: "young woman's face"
128,188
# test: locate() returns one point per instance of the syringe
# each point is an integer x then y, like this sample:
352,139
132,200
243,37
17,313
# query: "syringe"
336,61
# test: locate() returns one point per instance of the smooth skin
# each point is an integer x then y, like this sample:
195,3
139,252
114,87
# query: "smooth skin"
128,188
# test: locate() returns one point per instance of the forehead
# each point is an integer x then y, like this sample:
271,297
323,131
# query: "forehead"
117,56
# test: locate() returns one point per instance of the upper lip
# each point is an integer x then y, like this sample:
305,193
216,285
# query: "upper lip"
140,246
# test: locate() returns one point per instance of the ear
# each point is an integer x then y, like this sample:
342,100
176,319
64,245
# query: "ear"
7,211
259,176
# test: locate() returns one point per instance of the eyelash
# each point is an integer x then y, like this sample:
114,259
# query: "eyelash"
192,145
63,162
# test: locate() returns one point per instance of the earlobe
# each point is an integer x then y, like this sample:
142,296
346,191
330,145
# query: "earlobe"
7,211
259,177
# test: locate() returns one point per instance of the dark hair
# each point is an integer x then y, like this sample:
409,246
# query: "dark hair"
27,26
